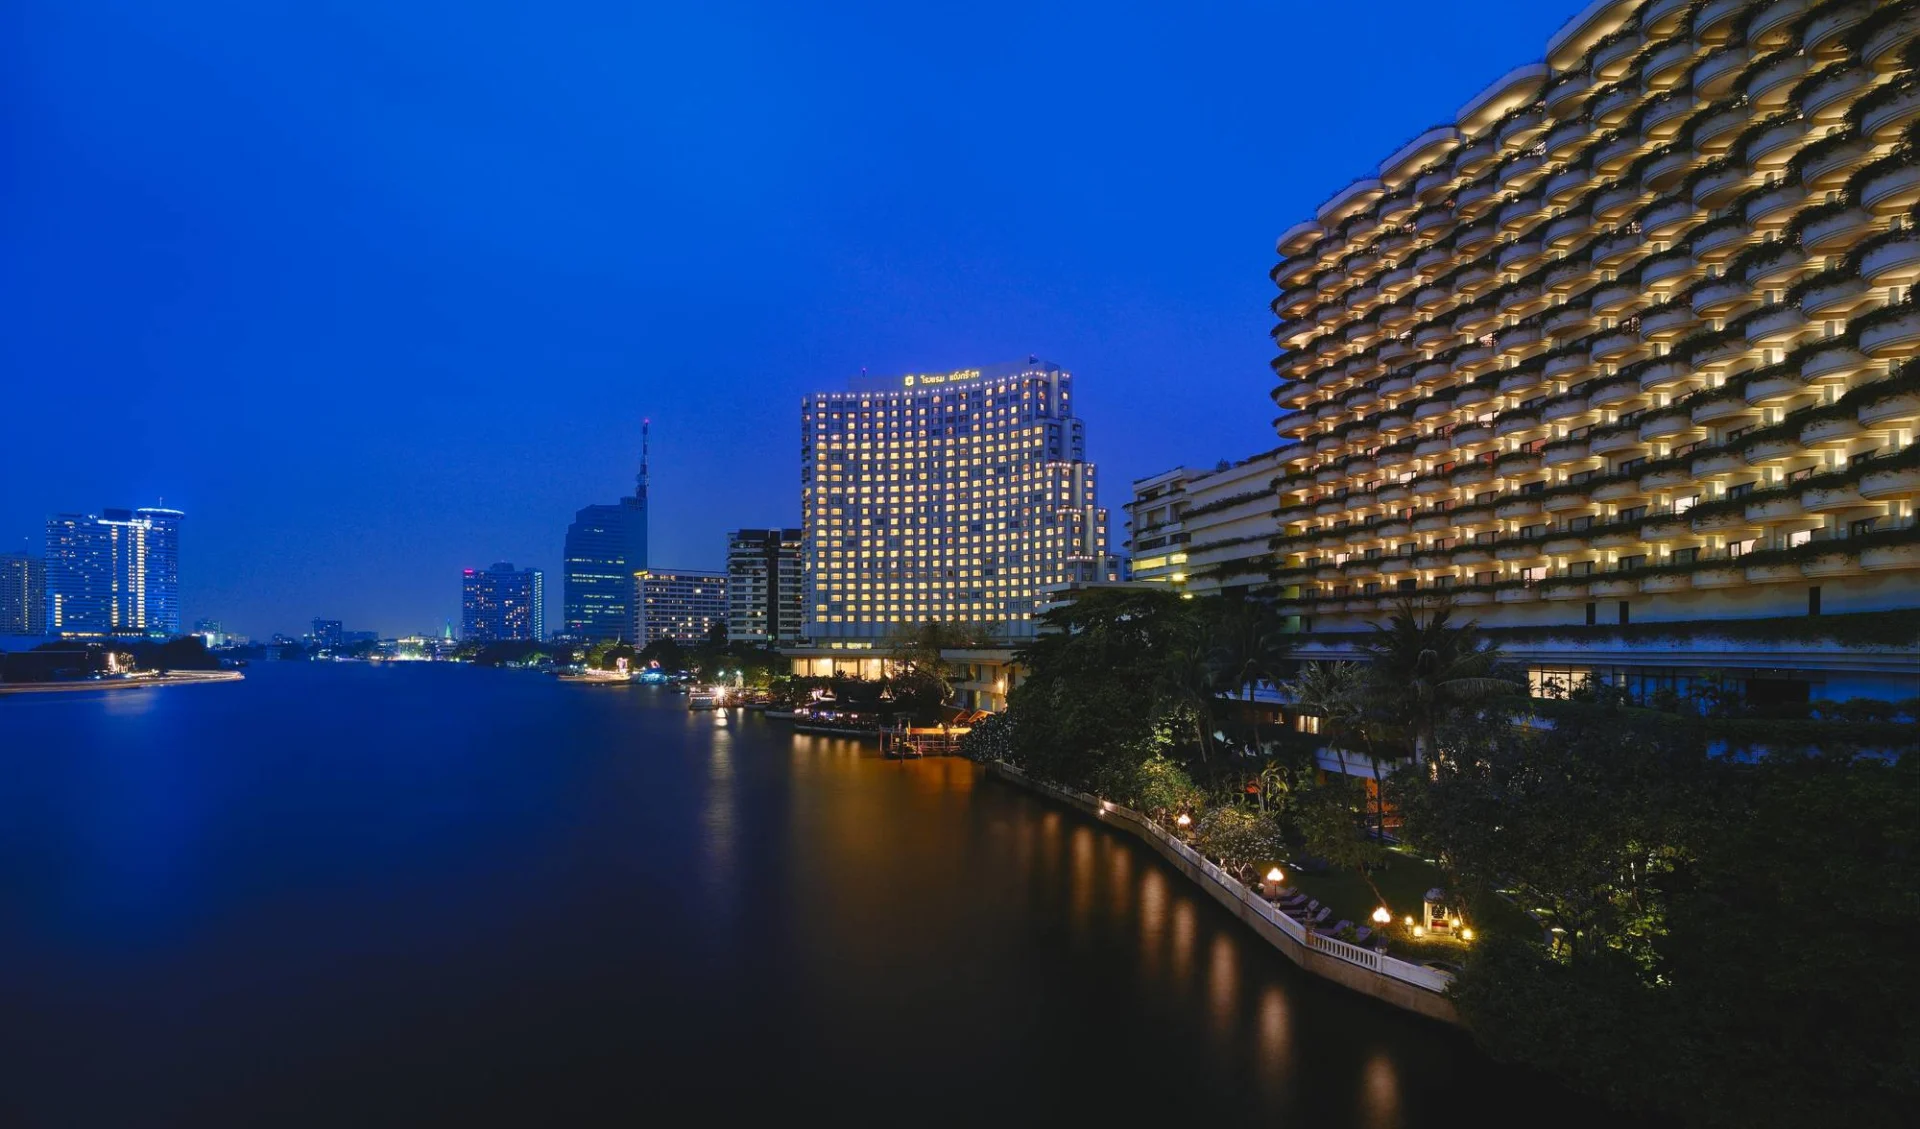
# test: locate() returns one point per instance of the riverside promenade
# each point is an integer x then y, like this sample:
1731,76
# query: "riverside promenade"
1412,987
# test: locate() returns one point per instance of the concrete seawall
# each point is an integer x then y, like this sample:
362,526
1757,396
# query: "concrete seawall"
1412,987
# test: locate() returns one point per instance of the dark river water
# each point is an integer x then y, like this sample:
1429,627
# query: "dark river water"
347,895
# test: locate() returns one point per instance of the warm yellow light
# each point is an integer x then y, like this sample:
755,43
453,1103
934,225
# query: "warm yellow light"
1274,875
1382,916
1455,923
1466,934
1419,930
1409,920
1185,820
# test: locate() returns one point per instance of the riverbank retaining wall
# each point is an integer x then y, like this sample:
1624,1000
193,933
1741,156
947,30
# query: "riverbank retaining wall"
1413,987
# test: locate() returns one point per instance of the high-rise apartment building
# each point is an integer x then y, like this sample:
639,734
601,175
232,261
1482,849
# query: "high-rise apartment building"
1204,531
1632,338
955,496
115,573
498,604
163,568
680,605
331,632
23,594
765,601
605,546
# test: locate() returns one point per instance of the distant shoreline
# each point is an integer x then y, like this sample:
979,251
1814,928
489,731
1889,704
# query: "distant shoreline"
177,678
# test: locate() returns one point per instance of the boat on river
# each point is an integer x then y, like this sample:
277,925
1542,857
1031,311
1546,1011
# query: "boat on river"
596,677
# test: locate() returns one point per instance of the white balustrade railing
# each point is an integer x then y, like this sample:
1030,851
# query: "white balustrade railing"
1420,976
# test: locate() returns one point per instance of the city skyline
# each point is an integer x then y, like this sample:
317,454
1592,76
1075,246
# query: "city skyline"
352,337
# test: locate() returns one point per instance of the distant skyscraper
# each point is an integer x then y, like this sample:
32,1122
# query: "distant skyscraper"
765,603
679,605
23,594
501,603
163,568
606,545
328,633
115,573
956,496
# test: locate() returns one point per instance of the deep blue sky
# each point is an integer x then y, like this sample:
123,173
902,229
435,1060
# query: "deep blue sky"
378,291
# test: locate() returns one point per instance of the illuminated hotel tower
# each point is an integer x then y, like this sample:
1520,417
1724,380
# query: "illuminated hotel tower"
956,496
115,573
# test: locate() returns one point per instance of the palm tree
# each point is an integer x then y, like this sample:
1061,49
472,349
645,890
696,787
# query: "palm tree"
1425,668
1186,681
1249,647
1338,694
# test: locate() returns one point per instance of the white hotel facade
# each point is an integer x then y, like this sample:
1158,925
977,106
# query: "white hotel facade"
1623,360
958,496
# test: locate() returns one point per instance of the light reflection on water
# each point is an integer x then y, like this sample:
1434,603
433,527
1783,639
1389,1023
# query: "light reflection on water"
489,896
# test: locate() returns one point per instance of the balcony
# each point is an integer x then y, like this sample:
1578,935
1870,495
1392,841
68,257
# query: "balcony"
1883,557
1830,432
1566,453
1835,299
1836,233
1717,410
1524,595
1608,587
1777,269
1564,98
1665,117
1839,562
1828,169
1615,345
1826,103
1897,335
1771,24
1898,408
1716,188
1666,582
1665,171
1665,267
1478,474
1768,89
1519,255
1891,189
1521,172
1775,573
1885,485
1827,29
1715,74
1777,326
1769,451
1667,372
1612,107
1614,442
1785,508
1775,207
1716,300
1829,499
1718,576
1832,362
1894,263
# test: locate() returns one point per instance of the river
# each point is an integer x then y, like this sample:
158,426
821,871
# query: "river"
426,894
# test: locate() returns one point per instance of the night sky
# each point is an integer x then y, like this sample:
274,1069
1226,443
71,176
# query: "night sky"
376,291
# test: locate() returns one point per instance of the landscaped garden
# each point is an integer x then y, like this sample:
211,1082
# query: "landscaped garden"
1644,907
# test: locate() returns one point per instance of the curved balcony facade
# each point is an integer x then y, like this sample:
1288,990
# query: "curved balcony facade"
1631,280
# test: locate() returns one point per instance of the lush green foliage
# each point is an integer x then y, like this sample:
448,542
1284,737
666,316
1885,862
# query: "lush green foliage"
1730,939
